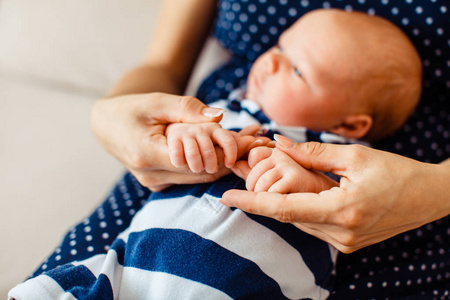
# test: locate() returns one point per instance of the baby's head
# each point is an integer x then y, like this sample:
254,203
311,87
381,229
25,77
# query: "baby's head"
347,73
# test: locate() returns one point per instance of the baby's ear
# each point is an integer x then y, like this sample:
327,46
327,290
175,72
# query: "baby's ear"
354,126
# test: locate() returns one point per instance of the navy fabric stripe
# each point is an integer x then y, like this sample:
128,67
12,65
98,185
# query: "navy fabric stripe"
128,195
215,189
315,253
119,246
235,105
81,283
185,254
101,290
312,136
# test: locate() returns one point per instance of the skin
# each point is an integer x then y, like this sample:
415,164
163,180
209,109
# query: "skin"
292,75
379,196
272,170
304,81
340,217
193,145
130,122
198,145
326,74
299,74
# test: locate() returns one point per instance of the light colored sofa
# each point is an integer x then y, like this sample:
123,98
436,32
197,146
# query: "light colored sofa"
56,58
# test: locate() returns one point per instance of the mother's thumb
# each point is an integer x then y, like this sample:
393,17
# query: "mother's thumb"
193,110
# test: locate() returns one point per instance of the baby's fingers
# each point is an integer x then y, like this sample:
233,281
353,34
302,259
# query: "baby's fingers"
193,156
268,180
208,154
257,172
280,186
176,152
258,154
226,140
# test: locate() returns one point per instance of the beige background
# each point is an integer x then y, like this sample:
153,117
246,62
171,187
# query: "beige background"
56,58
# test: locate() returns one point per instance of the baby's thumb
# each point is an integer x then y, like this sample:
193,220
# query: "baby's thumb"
316,156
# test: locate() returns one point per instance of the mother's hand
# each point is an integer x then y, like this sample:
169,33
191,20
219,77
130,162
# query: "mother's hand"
132,128
380,195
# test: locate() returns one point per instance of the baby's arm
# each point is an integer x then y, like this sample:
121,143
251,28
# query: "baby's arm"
274,171
194,145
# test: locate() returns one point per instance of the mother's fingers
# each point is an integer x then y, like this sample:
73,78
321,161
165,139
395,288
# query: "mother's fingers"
287,208
173,109
325,157
307,211
344,239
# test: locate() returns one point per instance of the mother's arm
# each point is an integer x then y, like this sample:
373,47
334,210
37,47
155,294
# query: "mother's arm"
130,122
380,195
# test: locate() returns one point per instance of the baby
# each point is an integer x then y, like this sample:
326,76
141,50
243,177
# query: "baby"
343,75
353,75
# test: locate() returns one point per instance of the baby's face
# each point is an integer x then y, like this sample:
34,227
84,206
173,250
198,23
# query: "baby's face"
297,83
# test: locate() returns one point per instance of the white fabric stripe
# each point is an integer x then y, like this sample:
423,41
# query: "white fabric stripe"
326,137
40,287
106,264
250,105
334,252
295,133
234,231
142,284
232,119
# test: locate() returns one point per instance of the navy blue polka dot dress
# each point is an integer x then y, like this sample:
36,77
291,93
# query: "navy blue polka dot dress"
413,265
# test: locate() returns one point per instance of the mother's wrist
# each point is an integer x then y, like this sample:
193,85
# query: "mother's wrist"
438,188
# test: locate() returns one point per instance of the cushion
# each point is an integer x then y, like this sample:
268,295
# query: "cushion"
83,44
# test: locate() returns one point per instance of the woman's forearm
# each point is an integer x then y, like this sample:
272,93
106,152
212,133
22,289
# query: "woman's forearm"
445,180
130,123
146,79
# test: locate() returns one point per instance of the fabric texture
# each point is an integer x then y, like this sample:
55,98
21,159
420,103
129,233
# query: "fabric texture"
184,244
413,265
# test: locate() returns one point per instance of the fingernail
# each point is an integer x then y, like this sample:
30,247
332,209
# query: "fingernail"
211,112
226,202
255,143
283,141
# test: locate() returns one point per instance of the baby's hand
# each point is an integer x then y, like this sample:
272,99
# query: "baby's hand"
274,171
194,145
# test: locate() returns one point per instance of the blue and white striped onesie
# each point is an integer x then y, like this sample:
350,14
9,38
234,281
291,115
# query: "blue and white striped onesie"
183,244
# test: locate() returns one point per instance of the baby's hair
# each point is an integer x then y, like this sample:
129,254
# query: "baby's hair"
390,75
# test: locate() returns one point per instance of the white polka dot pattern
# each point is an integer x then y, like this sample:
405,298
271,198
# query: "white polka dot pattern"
425,23
387,269
95,234
416,263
